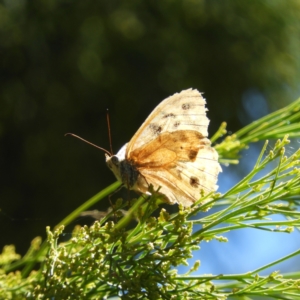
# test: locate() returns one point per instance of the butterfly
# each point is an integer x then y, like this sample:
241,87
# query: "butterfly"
171,152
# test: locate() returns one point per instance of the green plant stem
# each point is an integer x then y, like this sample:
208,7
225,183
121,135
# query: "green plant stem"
86,205
276,262
30,260
270,121
130,213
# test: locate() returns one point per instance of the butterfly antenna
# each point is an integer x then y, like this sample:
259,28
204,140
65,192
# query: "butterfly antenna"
109,133
80,138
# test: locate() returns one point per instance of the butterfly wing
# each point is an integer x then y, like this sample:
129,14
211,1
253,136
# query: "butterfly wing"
181,111
171,151
181,163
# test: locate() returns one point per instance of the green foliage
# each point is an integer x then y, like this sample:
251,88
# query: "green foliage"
275,125
103,260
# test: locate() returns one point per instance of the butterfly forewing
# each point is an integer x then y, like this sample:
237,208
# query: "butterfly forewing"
182,111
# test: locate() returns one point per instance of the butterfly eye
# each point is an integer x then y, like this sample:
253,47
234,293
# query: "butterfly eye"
115,160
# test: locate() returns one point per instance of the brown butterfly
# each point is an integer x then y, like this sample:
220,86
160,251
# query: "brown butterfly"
171,152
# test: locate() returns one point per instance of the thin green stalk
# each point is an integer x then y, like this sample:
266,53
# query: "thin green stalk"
276,262
29,262
87,204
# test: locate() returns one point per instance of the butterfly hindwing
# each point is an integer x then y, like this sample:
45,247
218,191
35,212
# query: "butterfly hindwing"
182,180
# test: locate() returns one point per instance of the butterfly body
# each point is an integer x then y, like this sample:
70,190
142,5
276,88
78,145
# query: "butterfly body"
170,151
124,170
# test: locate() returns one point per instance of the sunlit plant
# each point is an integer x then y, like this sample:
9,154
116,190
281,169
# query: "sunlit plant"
113,260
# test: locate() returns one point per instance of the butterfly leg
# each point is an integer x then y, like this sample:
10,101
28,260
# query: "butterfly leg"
113,208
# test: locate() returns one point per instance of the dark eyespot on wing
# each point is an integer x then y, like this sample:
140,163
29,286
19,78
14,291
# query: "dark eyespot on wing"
156,129
194,182
170,115
186,106
193,154
176,124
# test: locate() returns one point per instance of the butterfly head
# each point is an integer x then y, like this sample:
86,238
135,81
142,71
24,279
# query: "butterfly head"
124,170
114,162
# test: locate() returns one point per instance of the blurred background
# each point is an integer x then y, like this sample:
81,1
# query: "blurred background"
63,63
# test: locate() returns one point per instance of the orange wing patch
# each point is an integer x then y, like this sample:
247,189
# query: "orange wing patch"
167,148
